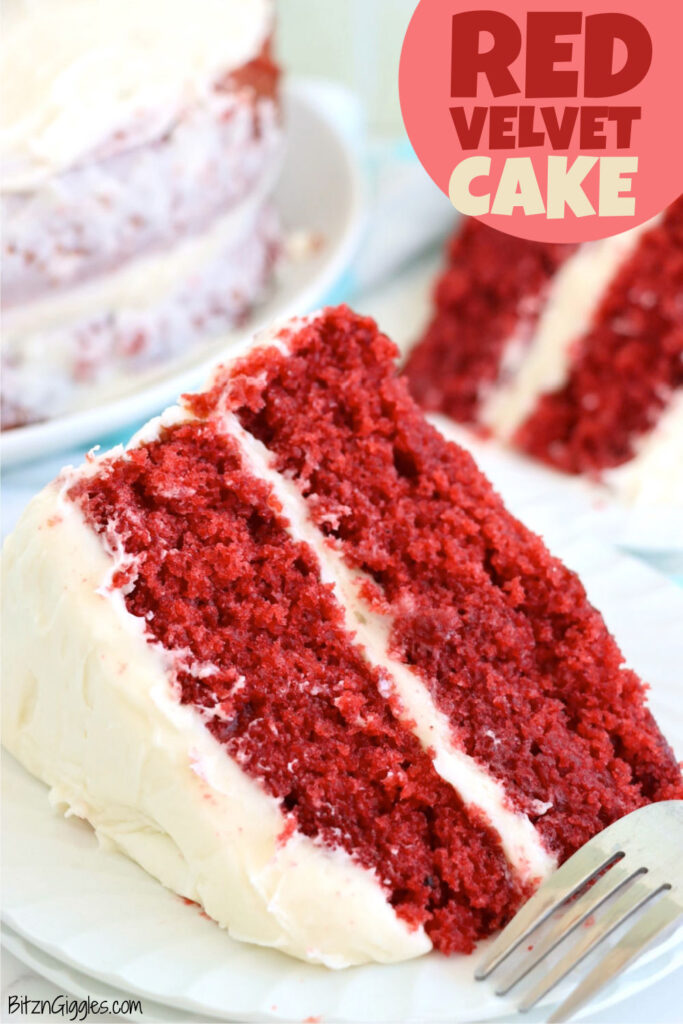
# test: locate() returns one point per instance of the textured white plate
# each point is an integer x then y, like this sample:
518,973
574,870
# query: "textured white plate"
67,980
403,309
319,191
104,917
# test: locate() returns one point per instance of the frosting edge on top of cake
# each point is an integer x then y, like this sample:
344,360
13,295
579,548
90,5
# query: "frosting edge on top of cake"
117,65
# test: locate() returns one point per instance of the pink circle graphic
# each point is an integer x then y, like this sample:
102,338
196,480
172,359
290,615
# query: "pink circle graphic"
548,120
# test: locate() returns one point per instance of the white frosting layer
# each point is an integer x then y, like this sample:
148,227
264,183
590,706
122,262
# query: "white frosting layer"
654,477
521,842
543,363
92,218
76,73
81,678
52,371
88,708
140,284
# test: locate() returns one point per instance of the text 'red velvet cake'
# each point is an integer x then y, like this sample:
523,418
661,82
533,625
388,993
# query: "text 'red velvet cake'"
290,653
140,144
573,354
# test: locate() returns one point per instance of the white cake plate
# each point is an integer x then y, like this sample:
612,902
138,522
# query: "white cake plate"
68,981
102,916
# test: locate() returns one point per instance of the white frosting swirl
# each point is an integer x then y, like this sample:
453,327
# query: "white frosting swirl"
77,75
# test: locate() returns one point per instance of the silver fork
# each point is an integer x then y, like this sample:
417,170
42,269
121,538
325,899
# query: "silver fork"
629,864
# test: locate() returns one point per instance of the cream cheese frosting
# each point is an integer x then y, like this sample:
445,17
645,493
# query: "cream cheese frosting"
654,476
51,371
164,792
543,362
167,794
141,283
81,74
521,842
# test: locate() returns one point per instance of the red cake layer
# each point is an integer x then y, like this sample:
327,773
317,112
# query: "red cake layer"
215,574
500,631
491,292
625,368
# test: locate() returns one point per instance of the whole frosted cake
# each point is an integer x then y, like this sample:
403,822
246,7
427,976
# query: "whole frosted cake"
290,653
140,142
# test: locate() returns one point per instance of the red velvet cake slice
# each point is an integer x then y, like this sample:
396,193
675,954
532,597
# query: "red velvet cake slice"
348,703
573,354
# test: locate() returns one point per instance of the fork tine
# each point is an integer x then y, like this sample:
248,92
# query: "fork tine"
556,890
655,921
583,907
635,896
